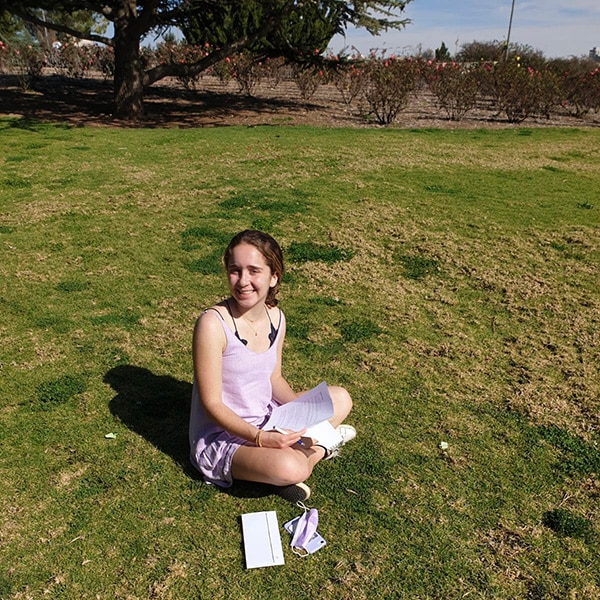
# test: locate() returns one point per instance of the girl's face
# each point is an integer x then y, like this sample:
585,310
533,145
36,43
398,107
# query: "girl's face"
249,276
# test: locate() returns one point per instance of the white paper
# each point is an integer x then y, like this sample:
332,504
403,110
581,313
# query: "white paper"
324,433
305,411
262,540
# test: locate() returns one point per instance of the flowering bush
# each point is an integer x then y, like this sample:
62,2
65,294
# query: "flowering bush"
454,87
223,71
105,61
520,91
579,83
179,53
275,70
388,86
74,61
3,57
520,86
307,80
247,72
26,61
349,79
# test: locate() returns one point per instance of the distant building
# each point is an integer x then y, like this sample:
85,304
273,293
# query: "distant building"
595,53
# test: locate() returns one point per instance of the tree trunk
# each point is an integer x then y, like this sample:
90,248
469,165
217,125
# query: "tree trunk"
129,71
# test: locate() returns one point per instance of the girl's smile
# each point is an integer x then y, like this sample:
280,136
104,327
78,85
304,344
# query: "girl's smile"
249,276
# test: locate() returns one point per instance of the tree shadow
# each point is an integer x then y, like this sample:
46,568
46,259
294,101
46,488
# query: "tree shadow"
157,407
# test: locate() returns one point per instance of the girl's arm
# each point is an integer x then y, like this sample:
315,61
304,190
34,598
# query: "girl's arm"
207,350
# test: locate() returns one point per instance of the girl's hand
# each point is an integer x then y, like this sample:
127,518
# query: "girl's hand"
279,438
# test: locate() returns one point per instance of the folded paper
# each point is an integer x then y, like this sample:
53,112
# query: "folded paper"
262,540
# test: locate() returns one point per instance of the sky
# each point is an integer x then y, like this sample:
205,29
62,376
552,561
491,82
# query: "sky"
559,28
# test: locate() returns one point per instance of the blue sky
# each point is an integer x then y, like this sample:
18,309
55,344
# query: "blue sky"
557,28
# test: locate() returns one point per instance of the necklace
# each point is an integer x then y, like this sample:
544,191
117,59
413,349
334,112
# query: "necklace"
272,333
250,325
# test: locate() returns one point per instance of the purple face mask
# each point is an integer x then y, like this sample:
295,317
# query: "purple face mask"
306,540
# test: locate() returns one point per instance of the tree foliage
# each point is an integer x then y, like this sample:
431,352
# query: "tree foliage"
308,28
293,28
496,51
14,28
442,53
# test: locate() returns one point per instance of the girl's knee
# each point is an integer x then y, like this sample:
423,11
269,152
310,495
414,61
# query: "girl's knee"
342,401
292,469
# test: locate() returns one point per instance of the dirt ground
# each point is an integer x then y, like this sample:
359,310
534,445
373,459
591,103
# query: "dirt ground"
212,104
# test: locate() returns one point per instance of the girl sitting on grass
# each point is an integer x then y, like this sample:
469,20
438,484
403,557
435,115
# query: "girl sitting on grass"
237,348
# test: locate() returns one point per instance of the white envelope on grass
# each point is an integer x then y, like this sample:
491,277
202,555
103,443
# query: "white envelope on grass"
262,540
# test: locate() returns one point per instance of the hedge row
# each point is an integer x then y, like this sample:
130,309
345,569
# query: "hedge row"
377,86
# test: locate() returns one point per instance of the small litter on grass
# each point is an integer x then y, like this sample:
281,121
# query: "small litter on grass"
110,436
443,446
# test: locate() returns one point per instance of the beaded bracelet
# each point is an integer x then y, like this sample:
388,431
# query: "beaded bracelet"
257,438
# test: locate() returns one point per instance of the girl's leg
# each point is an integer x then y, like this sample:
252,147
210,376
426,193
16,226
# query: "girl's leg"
275,466
342,404
291,465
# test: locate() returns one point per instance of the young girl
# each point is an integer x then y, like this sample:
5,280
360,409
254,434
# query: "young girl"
237,348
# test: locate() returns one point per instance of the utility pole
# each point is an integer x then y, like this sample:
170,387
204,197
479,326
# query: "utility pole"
512,11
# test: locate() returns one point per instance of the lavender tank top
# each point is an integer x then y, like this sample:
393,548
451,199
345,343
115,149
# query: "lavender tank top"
246,383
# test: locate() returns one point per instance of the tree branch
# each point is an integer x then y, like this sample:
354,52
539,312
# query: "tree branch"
176,70
92,37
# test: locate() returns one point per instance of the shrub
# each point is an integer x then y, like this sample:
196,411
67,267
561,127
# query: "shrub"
476,52
27,61
4,50
74,61
496,51
179,53
223,70
105,61
454,86
520,91
307,78
275,70
388,86
349,80
247,71
579,82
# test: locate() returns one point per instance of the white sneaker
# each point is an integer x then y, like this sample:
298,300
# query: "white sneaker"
347,433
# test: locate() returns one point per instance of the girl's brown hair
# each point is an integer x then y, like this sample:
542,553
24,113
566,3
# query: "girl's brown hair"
269,248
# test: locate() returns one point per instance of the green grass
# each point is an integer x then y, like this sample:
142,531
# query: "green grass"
448,279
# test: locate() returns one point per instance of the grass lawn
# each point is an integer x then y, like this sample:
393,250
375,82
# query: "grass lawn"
448,279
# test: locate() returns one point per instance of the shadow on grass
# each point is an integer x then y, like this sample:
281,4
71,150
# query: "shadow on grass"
157,407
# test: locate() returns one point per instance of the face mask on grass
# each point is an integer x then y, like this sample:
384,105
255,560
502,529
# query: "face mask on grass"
305,539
